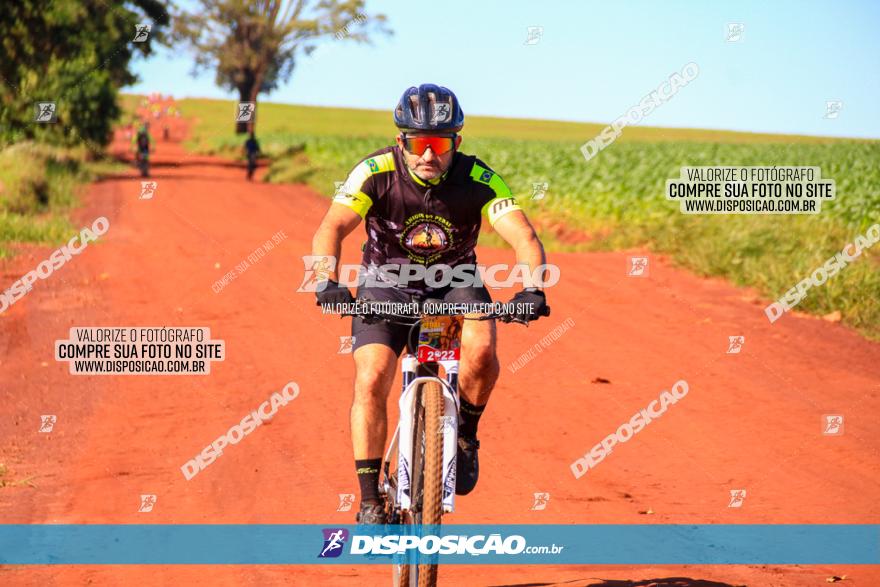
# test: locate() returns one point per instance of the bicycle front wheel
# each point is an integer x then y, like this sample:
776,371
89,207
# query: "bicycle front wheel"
432,476
427,481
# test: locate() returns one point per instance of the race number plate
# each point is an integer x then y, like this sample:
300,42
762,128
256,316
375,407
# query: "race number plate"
440,338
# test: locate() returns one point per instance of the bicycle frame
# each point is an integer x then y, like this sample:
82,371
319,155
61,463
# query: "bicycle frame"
414,374
404,433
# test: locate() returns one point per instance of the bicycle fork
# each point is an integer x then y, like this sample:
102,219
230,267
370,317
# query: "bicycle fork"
413,377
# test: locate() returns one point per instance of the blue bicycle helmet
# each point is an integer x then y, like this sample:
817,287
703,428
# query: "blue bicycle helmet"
428,108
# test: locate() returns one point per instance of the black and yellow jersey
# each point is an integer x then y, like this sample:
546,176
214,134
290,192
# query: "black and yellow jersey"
409,220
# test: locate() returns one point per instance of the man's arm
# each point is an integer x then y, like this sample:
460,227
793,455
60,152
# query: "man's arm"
516,230
337,224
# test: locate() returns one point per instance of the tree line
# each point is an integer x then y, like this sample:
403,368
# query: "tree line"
78,54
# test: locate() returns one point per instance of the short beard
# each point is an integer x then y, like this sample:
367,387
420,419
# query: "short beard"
416,173
440,171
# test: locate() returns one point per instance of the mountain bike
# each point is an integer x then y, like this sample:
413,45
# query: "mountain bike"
421,487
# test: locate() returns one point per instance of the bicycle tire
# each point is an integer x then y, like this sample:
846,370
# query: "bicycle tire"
408,576
432,479
427,478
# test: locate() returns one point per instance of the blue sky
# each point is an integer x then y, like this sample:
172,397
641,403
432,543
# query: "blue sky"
596,60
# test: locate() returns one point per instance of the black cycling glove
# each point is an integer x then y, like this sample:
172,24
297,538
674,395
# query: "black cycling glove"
529,304
333,293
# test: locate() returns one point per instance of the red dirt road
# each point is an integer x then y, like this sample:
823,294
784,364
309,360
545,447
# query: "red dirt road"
750,420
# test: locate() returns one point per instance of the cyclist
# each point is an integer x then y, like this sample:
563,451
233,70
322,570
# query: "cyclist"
422,202
252,151
142,143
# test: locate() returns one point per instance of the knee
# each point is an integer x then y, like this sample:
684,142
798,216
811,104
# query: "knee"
369,386
484,361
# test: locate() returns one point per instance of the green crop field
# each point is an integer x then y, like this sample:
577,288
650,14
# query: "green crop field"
616,200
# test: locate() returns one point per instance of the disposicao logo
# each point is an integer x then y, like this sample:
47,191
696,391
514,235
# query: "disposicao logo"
334,540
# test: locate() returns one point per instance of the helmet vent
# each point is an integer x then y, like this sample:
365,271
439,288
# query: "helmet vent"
414,109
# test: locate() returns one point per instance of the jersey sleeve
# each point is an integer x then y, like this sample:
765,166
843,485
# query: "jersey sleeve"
359,189
499,199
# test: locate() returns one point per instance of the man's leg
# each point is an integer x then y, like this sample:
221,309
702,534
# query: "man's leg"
376,348
478,372
479,367
374,365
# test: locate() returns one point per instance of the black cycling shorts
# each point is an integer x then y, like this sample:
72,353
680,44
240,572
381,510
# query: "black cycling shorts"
394,335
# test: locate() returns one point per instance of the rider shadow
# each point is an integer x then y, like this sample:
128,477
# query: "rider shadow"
184,162
660,582
151,177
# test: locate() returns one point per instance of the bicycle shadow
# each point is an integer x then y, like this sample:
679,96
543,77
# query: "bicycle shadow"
659,582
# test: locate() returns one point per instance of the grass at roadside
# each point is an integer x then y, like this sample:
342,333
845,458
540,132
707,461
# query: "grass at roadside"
38,187
616,200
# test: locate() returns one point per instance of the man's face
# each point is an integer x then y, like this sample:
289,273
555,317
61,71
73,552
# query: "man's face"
427,165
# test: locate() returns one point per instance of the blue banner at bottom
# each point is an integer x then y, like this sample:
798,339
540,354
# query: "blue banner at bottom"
30,544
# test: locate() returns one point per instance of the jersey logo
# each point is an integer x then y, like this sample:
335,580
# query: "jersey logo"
374,167
502,204
486,176
426,237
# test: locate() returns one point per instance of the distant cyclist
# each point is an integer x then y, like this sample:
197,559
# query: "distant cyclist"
143,144
252,150
422,202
